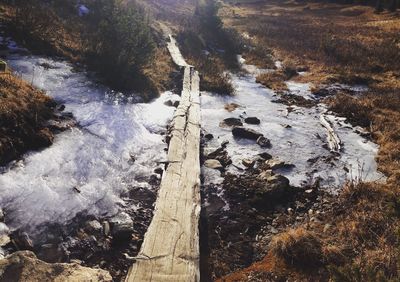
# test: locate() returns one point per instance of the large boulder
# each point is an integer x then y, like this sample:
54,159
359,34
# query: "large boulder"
242,132
24,266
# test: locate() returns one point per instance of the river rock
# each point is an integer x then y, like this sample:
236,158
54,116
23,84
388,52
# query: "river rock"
171,103
248,163
277,164
23,240
214,164
93,227
263,142
4,240
4,234
24,266
121,225
265,156
247,133
106,228
252,120
209,136
230,122
51,253
276,187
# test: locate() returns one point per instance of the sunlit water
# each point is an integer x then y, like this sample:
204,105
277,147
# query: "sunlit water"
301,144
95,157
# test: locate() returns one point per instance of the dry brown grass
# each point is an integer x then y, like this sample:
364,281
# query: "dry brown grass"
350,45
297,247
273,80
23,110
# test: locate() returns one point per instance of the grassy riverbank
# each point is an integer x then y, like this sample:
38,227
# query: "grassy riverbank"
358,239
115,40
23,113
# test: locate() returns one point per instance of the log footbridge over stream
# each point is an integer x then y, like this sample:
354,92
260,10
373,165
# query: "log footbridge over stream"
170,250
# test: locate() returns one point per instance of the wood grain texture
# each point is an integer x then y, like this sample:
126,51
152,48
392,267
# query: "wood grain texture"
170,250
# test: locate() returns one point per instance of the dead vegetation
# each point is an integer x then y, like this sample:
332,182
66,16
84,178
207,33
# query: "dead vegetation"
359,239
116,40
23,112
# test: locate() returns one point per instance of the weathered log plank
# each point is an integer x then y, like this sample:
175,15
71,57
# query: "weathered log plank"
170,250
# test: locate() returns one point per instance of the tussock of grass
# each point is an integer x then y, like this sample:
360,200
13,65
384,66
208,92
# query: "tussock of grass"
23,110
298,248
275,80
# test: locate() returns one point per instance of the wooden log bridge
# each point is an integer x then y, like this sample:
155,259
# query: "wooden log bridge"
170,250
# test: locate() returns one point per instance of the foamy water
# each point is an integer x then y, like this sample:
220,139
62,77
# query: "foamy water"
94,158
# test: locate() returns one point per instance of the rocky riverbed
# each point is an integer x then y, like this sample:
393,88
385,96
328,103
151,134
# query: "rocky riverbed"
268,166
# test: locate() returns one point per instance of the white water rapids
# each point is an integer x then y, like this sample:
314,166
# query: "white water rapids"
94,157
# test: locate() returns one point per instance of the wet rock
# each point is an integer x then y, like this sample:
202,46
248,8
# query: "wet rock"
277,164
265,175
224,144
214,164
209,136
93,227
231,122
171,103
248,163
265,156
252,120
4,234
23,240
24,266
51,253
275,188
159,171
231,107
121,226
242,132
4,240
263,142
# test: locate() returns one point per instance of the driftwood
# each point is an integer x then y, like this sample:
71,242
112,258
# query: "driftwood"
333,139
170,250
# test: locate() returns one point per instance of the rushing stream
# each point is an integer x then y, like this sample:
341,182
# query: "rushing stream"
116,146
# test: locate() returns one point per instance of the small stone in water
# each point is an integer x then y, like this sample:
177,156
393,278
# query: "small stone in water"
212,163
106,227
248,163
263,142
209,136
252,120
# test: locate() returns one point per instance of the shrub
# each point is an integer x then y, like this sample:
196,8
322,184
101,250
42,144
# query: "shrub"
123,44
